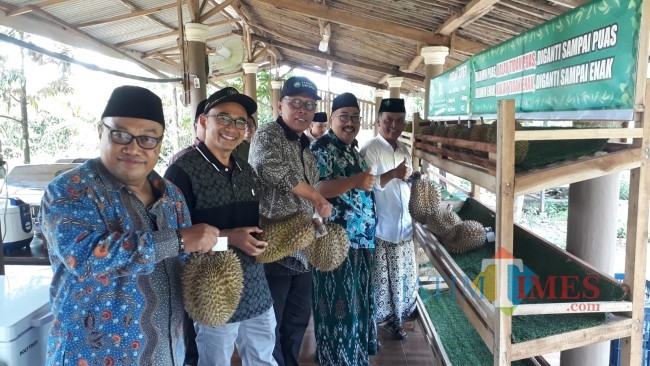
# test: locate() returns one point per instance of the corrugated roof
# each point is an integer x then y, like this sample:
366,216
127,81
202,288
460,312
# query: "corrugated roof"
358,53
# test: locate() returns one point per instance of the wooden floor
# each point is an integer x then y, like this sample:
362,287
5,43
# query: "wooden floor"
413,351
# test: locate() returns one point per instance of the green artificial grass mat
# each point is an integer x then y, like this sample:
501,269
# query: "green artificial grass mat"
545,263
541,153
461,341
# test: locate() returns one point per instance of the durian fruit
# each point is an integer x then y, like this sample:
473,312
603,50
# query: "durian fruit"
463,237
424,199
329,251
453,132
465,134
421,256
442,220
408,127
428,130
479,133
212,287
521,147
286,237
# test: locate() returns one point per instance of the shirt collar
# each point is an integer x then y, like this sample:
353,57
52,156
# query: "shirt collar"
114,184
213,159
340,142
292,135
387,144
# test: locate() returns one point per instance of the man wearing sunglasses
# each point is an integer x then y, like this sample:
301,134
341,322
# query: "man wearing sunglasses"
115,229
280,155
221,189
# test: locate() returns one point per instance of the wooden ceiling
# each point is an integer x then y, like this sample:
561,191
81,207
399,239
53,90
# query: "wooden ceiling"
370,40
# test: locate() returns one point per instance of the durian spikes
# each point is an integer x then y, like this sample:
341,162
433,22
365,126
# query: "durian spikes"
329,251
424,200
463,237
286,237
442,220
521,147
212,287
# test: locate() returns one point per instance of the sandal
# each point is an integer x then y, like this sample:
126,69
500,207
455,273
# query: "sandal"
395,330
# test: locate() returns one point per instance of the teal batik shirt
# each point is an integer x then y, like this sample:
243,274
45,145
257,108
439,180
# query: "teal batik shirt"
116,294
354,210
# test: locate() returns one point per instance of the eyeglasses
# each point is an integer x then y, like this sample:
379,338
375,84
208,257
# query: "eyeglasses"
225,120
298,103
124,138
347,118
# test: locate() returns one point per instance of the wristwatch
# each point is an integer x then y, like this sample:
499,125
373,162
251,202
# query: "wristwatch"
181,242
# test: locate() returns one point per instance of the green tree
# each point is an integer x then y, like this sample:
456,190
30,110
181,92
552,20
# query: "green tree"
13,84
264,108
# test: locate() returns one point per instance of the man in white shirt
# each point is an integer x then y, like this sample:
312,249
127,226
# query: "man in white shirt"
394,272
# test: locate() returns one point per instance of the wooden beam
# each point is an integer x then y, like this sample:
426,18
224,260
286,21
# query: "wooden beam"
571,4
322,72
74,30
358,21
323,56
475,9
216,10
132,14
133,7
280,35
27,9
466,46
194,10
168,34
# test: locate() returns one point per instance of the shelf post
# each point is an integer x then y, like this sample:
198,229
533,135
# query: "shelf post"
415,130
637,242
505,188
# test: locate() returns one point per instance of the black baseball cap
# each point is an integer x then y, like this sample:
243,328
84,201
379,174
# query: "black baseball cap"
200,108
231,94
299,85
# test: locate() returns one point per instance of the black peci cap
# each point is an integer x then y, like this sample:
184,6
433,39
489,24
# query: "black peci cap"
345,100
134,102
392,105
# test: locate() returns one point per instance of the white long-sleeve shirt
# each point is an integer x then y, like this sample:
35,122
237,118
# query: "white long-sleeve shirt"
393,218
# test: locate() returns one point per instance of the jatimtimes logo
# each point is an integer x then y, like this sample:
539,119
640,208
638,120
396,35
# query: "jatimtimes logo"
523,284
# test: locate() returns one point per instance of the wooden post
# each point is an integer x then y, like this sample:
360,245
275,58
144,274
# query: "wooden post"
394,85
475,191
415,130
379,95
250,80
637,242
505,189
196,35
276,85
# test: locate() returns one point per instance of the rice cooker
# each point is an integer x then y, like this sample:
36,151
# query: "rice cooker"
16,224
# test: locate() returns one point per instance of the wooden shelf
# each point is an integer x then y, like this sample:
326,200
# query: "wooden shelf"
617,327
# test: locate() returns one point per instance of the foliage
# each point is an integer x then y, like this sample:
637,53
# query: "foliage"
624,190
22,110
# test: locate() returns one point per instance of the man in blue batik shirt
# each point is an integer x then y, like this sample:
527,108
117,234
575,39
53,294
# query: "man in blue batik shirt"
343,299
115,229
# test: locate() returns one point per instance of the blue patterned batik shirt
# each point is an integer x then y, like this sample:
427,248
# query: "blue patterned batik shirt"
354,210
115,294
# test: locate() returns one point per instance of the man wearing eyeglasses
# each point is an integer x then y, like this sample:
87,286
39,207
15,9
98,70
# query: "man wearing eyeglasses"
280,155
394,272
344,297
222,189
115,229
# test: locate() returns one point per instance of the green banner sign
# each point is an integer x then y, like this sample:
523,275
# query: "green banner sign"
449,93
584,60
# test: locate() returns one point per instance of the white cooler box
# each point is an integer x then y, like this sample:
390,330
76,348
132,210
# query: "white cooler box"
26,317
